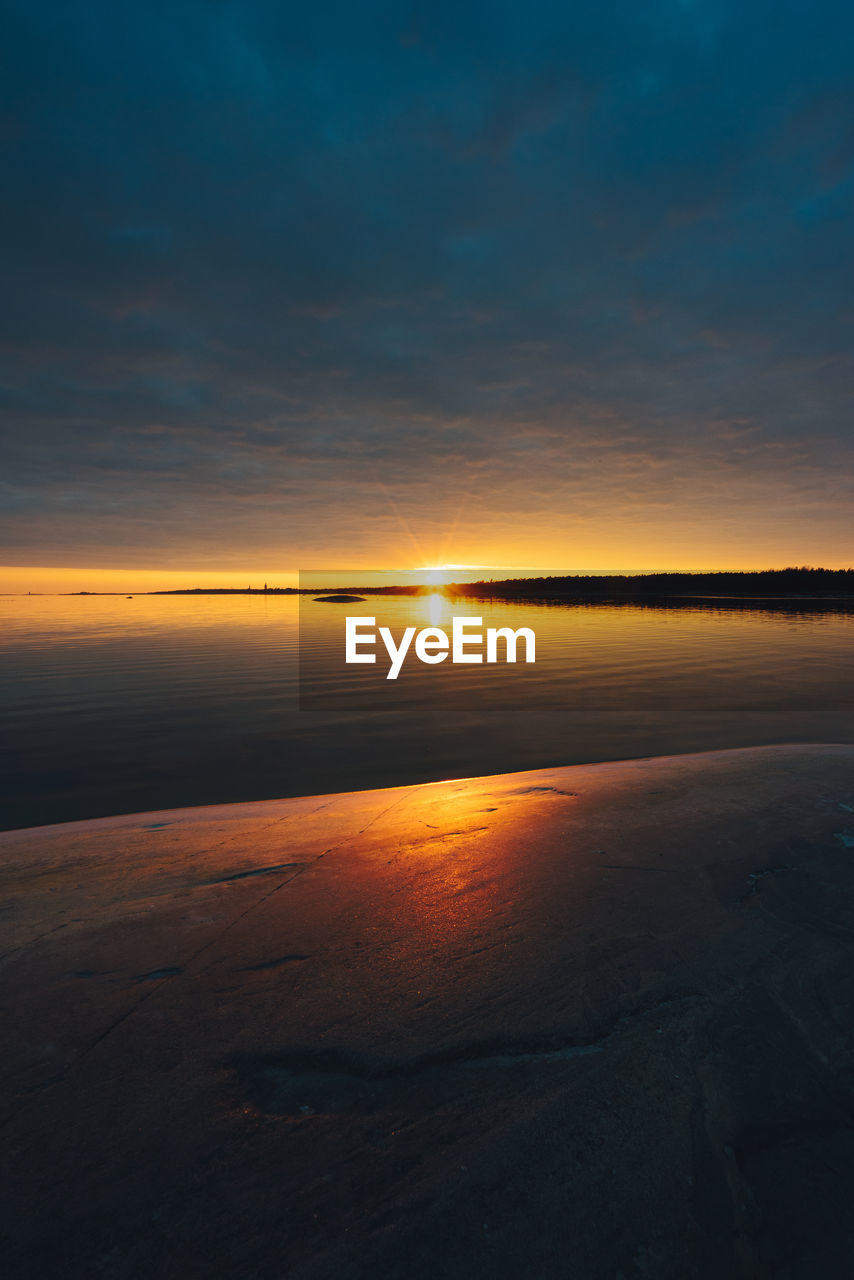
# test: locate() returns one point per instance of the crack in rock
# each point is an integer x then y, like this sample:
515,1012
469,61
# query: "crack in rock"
256,871
273,964
327,1081
527,791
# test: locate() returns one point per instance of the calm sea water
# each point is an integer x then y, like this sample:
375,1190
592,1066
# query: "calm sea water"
113,705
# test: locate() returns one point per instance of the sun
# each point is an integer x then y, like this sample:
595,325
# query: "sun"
437,575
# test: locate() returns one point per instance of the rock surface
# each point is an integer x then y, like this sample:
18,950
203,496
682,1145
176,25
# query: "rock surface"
582,1022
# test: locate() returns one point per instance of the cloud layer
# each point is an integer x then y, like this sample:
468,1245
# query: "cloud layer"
476,280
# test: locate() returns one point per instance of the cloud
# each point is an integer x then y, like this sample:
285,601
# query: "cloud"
272,271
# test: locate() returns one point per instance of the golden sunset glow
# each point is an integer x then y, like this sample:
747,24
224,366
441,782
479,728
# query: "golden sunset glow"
53,579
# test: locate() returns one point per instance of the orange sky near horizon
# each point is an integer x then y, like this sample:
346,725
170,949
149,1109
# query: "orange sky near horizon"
49,580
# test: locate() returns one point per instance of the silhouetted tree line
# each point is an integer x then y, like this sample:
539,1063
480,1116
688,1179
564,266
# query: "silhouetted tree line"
793,582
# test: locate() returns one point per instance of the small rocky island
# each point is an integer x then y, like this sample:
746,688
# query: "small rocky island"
340,599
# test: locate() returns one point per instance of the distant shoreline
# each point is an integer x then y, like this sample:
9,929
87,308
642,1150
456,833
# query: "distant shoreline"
771,585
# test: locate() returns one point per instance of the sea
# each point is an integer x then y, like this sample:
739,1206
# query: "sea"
115,704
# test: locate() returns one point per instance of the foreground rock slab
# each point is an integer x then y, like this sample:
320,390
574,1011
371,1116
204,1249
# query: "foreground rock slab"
582,1022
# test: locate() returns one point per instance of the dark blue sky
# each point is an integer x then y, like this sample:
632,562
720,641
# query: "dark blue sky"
557,284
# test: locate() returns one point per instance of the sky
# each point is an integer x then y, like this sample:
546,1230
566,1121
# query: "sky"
554,284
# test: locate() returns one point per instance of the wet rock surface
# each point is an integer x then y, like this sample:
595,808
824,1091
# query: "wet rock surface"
587,1022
